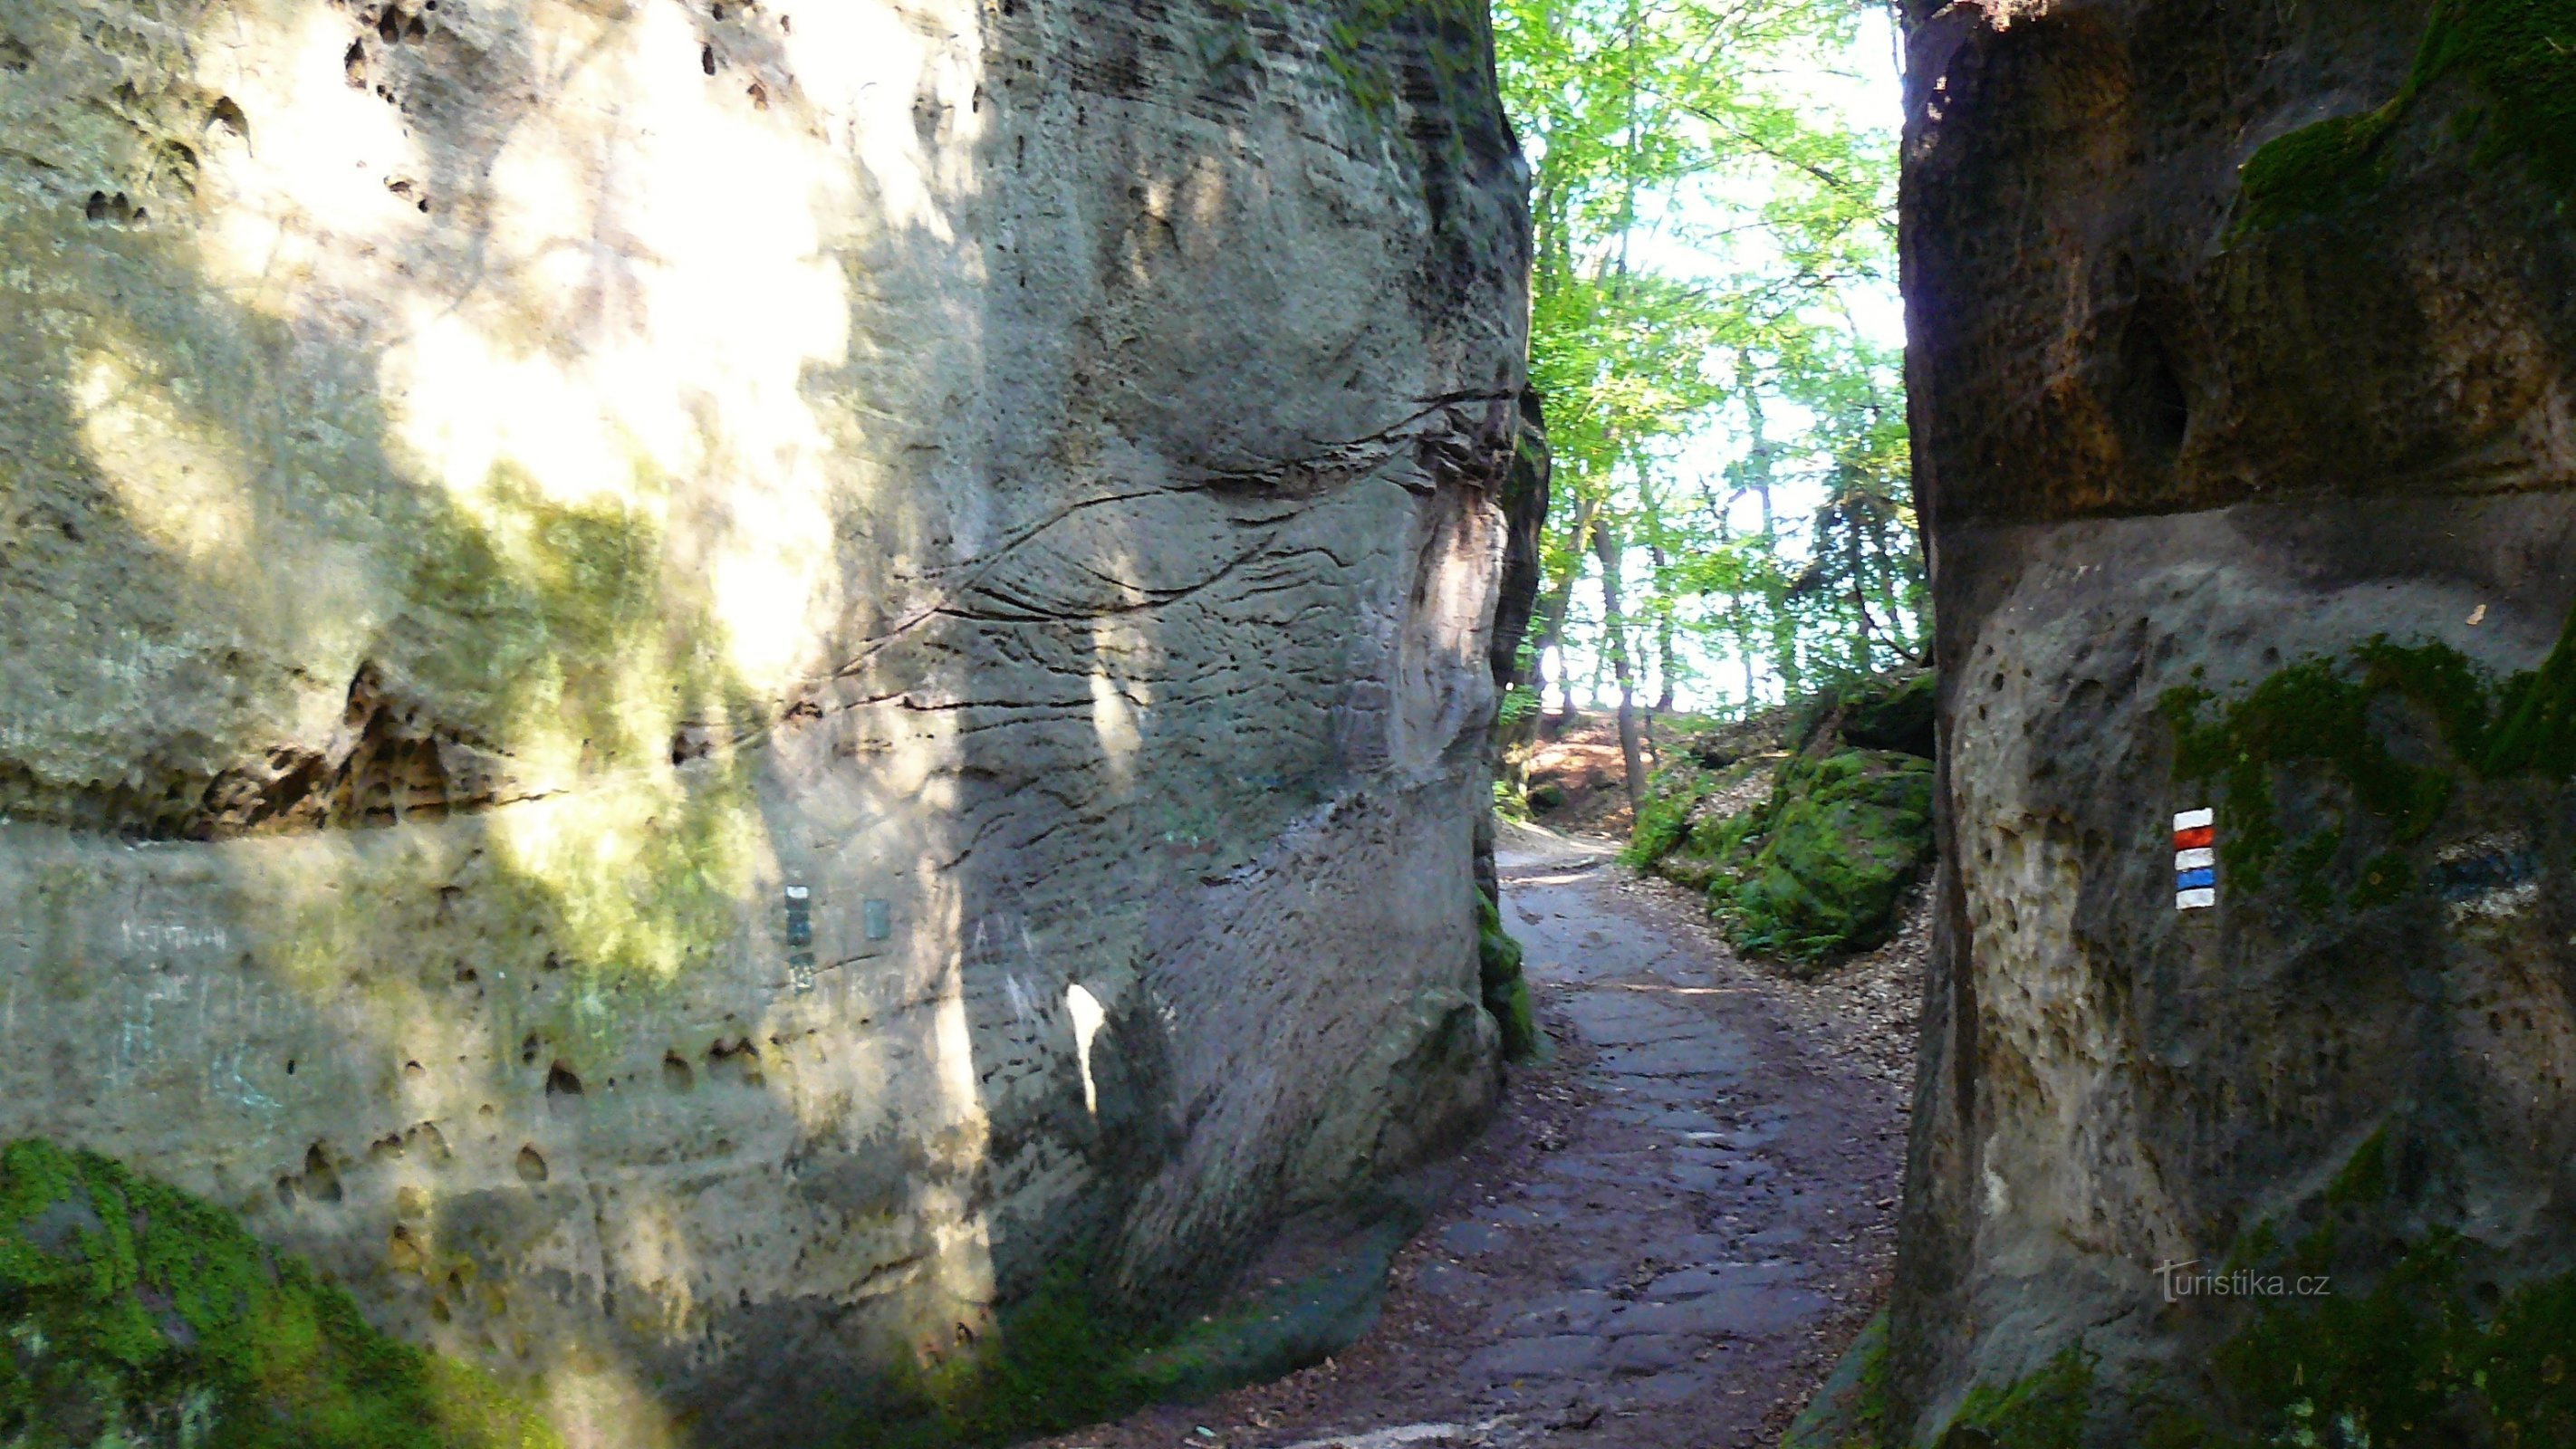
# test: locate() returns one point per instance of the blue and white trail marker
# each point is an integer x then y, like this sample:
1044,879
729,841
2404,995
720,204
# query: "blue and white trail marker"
2195,860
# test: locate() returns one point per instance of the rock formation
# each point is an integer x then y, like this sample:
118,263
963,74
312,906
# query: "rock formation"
2241,354
689,685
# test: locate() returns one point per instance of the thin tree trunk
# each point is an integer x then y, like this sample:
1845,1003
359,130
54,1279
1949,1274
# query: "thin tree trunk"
1667,664
1615,644
1559,601
1757,469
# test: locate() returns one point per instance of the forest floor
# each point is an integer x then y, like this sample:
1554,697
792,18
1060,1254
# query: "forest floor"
1588,775
1671,1230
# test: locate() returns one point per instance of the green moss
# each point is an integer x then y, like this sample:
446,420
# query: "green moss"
2045,1410
2385,877
138,1314
2520,53
1067,1356
2364,1176
1371,40
2398,1352
2412,1361
1818,870
2535,723
2321,713
2335,718
2316,169
1891,714
2305,865
1505,989
1849,1410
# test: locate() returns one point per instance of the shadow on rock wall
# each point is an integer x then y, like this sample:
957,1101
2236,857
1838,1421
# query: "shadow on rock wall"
662,665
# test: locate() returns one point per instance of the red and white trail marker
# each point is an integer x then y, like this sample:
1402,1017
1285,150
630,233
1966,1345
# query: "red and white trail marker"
2195,860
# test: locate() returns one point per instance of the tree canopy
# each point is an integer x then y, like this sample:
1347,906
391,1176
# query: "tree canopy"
1732,521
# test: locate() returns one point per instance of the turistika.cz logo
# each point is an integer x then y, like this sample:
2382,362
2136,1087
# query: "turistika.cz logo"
2180,1282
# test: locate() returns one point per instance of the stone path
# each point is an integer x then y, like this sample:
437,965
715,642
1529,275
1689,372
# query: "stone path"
1672,1232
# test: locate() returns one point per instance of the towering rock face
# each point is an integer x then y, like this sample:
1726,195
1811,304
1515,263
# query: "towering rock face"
2242,345
686,685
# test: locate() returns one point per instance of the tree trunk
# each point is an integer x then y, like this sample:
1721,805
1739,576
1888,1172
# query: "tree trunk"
1615,642
1560,603
1757,472
1667,663
1560,599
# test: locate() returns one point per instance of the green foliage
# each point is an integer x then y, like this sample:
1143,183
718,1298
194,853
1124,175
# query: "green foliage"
1700,224
137,1314
1665,817
2520,53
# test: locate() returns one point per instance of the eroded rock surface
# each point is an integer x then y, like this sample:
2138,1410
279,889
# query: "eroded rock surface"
686,684
2247,493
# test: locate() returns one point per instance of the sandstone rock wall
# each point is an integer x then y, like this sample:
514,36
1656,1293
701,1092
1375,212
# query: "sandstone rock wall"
2247,490
685,684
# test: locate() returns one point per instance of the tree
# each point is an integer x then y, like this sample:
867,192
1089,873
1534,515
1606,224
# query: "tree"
1702,231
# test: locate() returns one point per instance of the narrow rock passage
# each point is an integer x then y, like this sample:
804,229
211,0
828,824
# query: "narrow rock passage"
1674,1229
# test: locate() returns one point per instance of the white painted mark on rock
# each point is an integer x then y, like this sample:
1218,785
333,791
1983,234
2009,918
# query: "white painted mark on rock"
1087,1017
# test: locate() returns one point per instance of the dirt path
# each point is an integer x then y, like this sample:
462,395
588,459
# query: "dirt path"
1671,1232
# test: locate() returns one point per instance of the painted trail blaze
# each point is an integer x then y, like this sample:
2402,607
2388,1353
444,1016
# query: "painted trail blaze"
2195,860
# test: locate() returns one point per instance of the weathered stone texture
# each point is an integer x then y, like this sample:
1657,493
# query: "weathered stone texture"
2183,455
747,665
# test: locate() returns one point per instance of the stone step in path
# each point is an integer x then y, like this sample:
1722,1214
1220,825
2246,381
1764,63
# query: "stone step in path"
1674,1229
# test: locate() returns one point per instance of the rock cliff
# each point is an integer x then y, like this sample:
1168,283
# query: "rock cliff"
2241,353
687,685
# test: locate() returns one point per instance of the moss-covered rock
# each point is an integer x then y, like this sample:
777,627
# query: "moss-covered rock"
1891,713
1506,990
1804,855
2519,55
1818,873
1069,1355
1849,1410
137,1314
2359,1333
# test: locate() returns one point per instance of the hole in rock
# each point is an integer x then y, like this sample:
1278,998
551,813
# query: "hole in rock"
2152,404
532,1168
321,1183
560,1082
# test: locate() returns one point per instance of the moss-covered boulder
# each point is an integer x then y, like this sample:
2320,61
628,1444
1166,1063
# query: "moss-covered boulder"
138,1315
1817,872
1892,713
1804,848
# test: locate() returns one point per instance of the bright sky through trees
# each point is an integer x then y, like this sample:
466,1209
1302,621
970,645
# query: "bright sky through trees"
1717,338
